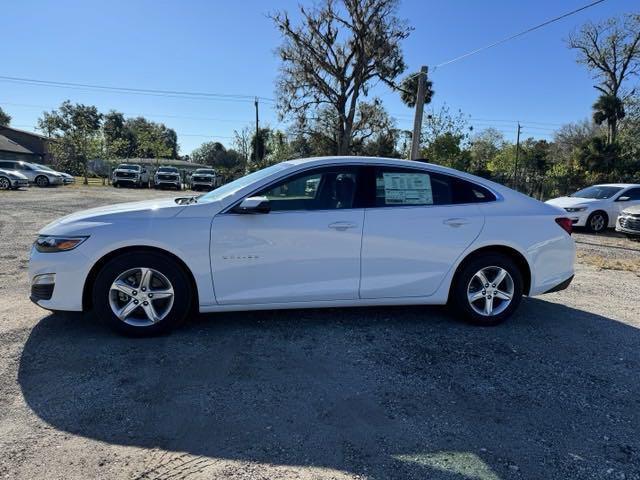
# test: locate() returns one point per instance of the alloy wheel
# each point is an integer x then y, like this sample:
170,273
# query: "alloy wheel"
42,181
141,296
597,222
4,184
490,291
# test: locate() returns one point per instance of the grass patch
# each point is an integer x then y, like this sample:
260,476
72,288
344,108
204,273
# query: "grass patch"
604,263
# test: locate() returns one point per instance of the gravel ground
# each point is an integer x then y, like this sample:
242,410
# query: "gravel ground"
353,393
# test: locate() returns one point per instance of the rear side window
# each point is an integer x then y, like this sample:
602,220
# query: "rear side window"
408,187
633,194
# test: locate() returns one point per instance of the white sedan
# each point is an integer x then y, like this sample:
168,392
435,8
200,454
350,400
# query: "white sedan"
597,207
320,232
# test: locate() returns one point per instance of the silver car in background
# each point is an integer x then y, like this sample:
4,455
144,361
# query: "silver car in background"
629,222
35,174
12,180
66,178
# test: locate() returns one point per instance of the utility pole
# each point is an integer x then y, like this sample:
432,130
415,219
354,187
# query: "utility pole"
257,130
515,165
417,120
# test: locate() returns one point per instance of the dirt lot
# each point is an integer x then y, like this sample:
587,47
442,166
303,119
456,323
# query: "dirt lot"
355,393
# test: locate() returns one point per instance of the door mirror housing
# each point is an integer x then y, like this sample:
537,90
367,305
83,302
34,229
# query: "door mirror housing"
253,205
623,198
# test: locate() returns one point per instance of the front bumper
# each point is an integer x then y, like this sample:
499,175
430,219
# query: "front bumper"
68,181
628,224
19,182
173,181
131,180
578,219
56,181
70,269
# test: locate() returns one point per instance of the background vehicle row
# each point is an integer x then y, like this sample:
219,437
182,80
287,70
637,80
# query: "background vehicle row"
36,174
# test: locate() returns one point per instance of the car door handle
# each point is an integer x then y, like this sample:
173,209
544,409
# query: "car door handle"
456,222
342,225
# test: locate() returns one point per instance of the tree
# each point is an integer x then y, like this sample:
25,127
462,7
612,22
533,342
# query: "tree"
611,50
609,109
484,148
229,163
335,55
409,90
151,139
5,118
76,128
119,141
440,122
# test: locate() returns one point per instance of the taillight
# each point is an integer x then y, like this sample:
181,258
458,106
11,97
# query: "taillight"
565,223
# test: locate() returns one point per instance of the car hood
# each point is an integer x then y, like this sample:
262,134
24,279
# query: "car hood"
48,172
13,173
634,210
564,202
145,210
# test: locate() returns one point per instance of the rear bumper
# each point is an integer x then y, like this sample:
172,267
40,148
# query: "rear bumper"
561,286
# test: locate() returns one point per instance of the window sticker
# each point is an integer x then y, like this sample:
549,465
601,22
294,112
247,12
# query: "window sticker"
407,188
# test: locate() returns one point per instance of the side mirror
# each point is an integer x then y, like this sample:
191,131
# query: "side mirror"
253,205
623,198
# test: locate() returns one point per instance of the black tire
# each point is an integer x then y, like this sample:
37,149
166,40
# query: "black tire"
42,181
115,184
178,187
5,183
458,299
164,264
593,225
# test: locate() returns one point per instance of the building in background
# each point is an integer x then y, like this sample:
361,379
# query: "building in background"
26,146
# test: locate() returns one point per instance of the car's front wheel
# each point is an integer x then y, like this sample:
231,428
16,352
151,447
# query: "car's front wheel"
597,222
42,181
142,293
5,184
487,290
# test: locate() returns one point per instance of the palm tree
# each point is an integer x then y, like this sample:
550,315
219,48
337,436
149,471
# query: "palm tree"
609,108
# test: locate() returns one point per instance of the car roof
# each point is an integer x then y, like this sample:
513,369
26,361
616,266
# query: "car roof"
619,185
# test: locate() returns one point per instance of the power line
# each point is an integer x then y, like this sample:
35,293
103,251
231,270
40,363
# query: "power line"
519,34
134,114
137,91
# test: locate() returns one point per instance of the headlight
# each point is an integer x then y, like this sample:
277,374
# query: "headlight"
51,244
575,209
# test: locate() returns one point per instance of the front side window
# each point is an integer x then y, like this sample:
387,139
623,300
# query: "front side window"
407,187
321,189
632,193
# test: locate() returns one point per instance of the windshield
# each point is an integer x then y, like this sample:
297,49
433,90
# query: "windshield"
128,167
168,170
232,187
204,171
43,167
597,192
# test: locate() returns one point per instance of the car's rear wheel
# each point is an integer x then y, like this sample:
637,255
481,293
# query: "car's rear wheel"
597,222
142,293
487,289
5,184
42,181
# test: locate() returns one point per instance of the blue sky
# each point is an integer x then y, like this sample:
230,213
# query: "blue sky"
228,47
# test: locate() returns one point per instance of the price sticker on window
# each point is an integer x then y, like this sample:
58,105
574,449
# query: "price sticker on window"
407,188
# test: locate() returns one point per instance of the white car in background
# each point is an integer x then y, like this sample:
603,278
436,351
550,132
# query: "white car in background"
597,207
12,180
36,175
307,233
629,222
66,178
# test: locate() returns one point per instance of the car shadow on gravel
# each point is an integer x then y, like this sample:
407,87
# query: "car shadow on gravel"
378,392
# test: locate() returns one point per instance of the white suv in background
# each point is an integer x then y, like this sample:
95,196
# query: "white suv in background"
35,174
597,207
167,177
131,175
